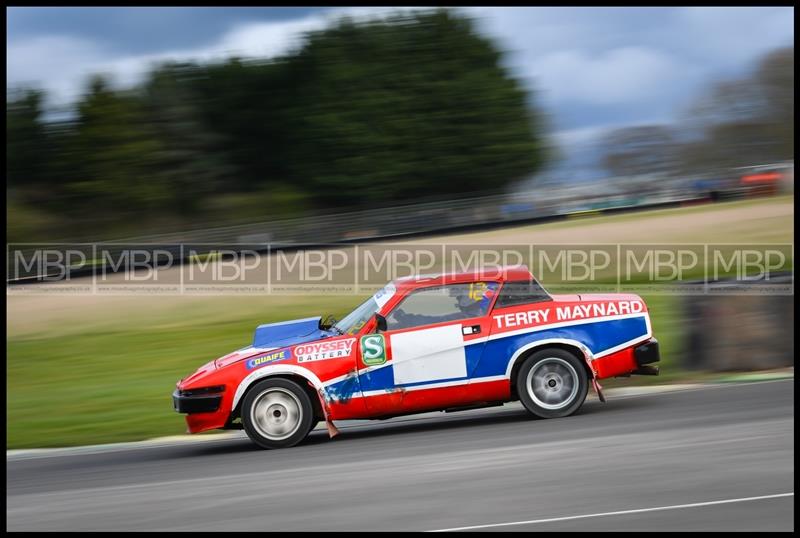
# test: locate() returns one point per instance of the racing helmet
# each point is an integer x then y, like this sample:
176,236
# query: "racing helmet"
475,296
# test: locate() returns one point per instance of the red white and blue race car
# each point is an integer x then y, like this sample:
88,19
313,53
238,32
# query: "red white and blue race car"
422,344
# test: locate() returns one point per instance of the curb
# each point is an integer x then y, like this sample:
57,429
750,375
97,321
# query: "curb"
177,440
171,440
751,377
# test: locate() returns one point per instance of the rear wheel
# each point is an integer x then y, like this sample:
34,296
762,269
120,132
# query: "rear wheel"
277,413
552,383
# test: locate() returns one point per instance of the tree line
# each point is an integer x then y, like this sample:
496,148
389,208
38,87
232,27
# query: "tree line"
360,115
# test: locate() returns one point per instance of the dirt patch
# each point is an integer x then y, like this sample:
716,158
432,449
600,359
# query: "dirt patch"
735,223
767,222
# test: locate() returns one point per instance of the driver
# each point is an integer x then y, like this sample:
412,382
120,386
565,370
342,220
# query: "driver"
472,301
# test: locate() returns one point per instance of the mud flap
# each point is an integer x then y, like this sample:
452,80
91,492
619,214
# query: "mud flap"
333,431
595,384
599,390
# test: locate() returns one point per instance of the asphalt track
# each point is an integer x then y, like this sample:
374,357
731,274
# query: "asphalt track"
719,458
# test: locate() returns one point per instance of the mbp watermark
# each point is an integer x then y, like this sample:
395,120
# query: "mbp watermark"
381,263
575,268
52,263
211,269
361,269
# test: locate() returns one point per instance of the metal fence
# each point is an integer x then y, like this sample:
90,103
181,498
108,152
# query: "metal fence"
413,219
408,219
369,225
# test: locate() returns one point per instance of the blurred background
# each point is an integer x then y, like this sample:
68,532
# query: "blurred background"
134,121
314,125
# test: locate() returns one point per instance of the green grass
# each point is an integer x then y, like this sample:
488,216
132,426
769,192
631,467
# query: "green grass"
100,386
79,374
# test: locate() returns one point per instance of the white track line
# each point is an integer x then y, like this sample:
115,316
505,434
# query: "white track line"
619,513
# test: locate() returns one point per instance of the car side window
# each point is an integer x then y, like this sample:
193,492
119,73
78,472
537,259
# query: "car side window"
442,303
522,292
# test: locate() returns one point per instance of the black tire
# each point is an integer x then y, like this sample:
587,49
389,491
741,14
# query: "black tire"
552,383
277,413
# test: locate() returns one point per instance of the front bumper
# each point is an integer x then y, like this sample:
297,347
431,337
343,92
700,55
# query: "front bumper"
205,403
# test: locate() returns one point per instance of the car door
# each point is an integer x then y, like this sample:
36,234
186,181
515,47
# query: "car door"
434,339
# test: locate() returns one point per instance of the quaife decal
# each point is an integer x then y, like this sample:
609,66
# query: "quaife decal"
373,349
261,360
324,350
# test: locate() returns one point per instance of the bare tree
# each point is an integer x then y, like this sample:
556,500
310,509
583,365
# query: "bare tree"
640,150
745,121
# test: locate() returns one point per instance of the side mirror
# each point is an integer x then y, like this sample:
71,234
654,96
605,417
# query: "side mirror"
326,323
380,322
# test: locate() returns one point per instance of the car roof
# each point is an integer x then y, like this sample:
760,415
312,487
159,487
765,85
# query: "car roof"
502,274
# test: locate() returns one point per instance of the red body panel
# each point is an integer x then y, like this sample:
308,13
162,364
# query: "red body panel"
616,364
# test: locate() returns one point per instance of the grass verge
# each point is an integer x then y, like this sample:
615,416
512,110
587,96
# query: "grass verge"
79,375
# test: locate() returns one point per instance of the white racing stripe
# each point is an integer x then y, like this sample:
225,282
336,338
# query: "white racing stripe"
620,512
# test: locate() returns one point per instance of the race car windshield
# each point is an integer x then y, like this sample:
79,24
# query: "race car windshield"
356,319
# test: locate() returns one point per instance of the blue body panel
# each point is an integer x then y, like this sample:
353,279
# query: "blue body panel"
288,333
491,358
598,336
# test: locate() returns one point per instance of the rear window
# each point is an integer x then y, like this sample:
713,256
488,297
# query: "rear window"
521,292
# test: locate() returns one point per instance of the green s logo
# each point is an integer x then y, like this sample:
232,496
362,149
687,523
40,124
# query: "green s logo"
373,349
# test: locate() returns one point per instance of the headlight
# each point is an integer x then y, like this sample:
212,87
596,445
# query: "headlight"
203,391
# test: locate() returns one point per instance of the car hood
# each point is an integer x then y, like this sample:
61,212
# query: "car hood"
286,333
277,335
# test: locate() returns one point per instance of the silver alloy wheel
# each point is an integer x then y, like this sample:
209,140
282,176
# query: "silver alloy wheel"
276,413
552,383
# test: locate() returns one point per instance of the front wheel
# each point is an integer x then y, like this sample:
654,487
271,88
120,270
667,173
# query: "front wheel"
552,383
277,413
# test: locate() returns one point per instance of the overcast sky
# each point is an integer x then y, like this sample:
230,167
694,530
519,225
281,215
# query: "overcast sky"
592,68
